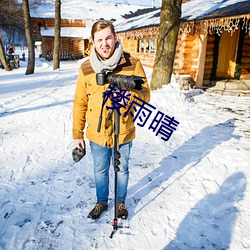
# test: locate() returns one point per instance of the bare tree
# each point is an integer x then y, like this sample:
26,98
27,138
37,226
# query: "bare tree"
56,59
28,33
11,17
11,24
168,34
36,3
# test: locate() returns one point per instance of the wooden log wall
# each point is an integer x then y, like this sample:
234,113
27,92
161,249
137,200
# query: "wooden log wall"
186,55
146,59
73,45
131,46
178,61
190,56
66,44
47,45
185,59
50,22
79,46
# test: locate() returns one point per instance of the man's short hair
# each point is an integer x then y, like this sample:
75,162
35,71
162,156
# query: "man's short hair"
101,24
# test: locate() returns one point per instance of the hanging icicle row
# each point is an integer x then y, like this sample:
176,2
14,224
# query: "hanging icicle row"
151,32
246,25
218,25
206,27
186,28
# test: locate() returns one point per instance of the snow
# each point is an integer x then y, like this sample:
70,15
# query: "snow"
84,33
145,20
155,3
86,10
192,10
196,9
191,192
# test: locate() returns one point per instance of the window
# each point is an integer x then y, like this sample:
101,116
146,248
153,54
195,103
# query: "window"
146,45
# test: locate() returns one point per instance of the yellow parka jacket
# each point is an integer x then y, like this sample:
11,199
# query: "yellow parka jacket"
88,103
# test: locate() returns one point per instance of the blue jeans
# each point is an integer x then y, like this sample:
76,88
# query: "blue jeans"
102,158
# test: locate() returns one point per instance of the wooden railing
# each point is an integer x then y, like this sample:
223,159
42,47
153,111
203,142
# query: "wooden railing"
63,55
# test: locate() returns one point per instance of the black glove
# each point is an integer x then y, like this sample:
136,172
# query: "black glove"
78,153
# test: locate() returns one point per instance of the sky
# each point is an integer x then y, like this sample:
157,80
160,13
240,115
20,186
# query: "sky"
86,10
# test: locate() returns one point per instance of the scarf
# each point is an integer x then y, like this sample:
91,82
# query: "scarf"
98,64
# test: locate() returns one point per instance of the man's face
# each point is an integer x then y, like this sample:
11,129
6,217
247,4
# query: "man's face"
104,42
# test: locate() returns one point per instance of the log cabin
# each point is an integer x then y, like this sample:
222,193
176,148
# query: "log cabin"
213,41
77,19
74,37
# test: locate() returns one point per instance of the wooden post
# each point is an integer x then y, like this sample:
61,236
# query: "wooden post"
144,45
201,60
140,42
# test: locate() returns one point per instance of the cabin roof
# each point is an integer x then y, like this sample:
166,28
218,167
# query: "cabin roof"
193,10
77,32
140,21
85,10
208,9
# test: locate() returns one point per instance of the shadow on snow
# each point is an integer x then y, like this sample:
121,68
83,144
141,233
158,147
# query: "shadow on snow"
190,153
23,110
212,226
209,225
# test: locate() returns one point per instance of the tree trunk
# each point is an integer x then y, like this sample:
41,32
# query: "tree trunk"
56,59
3,57
168,34
28,33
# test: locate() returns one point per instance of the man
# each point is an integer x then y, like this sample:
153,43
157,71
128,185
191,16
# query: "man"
107,54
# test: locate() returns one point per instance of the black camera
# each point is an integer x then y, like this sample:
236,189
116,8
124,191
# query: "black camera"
122,81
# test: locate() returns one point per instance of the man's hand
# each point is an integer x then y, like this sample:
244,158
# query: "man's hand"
79,143
79,151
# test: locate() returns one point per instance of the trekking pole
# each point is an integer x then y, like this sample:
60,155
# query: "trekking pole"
100,117
117,156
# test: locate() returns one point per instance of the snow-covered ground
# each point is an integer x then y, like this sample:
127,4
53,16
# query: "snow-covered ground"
191,192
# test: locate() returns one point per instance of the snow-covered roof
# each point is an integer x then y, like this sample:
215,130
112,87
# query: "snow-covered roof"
79,32
205,9
85,10
191,11
145,20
